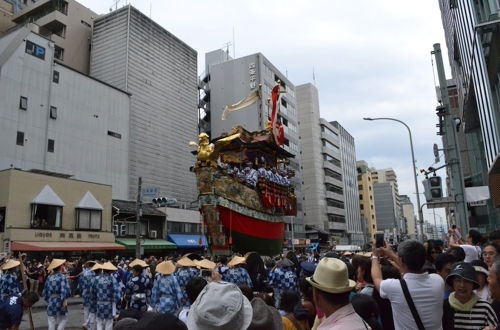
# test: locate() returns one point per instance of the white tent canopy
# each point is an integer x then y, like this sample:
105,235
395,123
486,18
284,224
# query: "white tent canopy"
47,197
89,202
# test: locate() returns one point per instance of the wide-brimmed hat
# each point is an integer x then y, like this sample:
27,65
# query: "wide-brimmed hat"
89,263
56,263
220,306
108,266
265,317
97,266
465,271
236,260
165,268
186,262
331,276
11,264
480,267
206,264
139,262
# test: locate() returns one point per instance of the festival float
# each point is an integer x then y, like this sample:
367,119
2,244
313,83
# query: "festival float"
245,187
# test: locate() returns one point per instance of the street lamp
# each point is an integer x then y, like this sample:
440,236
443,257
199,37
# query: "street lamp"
414,169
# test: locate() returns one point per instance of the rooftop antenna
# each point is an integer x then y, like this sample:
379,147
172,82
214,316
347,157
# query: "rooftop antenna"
314,77
227,44
234,45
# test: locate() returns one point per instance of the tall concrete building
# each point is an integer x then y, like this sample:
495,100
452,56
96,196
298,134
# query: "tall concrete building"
133,53
349,179
324,200
409,216
388,175
68,24
385,205
227,81
472,31
48,122
366,199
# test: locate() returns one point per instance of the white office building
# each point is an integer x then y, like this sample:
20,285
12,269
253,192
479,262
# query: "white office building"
55,119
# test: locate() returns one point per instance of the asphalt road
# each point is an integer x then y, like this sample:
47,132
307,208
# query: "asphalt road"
39,312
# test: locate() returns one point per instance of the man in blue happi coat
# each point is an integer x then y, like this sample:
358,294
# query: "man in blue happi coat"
187,271
9,285
106,295
84,285
237,274
56,292
166,295
138,289
283,278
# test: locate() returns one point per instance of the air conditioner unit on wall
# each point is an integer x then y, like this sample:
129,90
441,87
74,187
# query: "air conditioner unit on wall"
153,234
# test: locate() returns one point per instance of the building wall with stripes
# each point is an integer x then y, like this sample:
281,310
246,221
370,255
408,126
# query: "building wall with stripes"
468,63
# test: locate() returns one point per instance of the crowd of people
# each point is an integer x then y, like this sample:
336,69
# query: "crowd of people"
410,286
249,175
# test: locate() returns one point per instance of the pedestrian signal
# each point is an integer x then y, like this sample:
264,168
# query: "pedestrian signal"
433,188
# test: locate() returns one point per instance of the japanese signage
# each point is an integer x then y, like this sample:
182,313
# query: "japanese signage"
253,75
65,235
35,50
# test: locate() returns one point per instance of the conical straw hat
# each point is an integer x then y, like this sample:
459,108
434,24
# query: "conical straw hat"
56,263
186,262
165,268
97,266
11,264
108,266
236,261
139,262
207,264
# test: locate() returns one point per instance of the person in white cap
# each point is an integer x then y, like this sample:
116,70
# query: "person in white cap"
331,290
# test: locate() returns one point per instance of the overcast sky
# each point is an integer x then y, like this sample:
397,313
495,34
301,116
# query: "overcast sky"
370,58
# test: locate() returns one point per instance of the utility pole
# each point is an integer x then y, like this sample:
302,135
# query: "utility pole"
138,214
451,148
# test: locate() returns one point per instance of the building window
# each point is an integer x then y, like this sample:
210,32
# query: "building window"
330,146
50,145
20,138
59,53
53,112
361,207
329,132
55,77
360,197
23,103
335,203
87,219
333,174
335,189
332,160
336,218
46,216
114,134
2,219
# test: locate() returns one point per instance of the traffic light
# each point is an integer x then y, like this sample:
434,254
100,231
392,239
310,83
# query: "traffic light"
433,188
123,229
164,201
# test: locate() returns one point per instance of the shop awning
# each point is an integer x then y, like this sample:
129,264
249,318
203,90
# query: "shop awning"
64,246
188,241
148,244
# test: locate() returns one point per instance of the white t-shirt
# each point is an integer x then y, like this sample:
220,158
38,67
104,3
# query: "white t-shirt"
471,252
426,291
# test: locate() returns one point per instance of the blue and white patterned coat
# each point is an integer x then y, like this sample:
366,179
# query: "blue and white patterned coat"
238,276
184,275
282,279
56,290
8,286
105,291
166,295
138,291
84,285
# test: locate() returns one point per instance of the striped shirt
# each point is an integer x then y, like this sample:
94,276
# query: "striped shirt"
480,316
